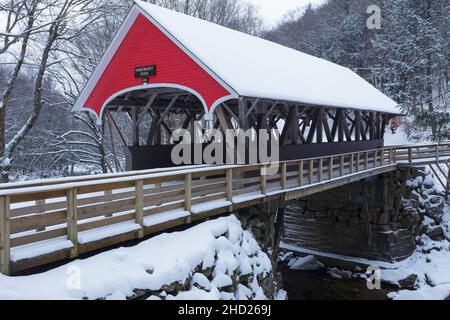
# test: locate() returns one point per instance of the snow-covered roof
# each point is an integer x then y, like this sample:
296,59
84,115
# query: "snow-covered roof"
255,67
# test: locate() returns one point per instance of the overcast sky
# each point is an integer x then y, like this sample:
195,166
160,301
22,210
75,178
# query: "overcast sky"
273,10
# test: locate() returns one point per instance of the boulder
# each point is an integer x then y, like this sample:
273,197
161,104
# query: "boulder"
437,200
338,274
436,214
286,256
408,283
436,233
428,182
308,263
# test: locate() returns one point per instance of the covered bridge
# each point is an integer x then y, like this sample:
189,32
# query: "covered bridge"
169,69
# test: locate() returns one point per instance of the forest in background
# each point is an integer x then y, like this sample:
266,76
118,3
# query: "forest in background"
48,49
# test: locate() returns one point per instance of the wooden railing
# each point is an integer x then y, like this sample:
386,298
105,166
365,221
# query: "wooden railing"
422,154
45,222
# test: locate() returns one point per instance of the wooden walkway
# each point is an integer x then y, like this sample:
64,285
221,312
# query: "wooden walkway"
46,221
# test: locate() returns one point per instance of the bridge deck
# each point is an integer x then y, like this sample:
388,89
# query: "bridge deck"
46,221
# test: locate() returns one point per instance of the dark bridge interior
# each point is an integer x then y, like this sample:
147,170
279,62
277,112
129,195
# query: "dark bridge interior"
305,131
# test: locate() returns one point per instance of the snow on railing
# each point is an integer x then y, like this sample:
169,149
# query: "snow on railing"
45,222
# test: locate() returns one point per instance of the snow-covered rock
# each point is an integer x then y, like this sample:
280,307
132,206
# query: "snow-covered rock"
308,263
193,264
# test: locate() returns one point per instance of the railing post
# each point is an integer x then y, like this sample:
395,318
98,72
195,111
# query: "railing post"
352,163
358,162
375,158
311,171
300,173
283,175
188,192
263,179
108,197
139,205
330,168
437,153
320,169
410,156
390,155
229,184
72,220
367,160
341,169
5,238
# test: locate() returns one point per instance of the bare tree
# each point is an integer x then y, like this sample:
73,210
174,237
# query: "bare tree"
49,24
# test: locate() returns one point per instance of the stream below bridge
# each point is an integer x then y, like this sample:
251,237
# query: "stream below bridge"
318,285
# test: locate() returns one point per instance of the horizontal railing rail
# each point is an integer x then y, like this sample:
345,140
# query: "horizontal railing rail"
72,216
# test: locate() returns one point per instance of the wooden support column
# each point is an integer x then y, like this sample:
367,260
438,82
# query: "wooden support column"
313,128
319,127
229,184
357,125
225,123
134,117
326,128
378,123
289,123
263,179
139,206
115,128
5,237
188,192
295,129
300,173
72,220
283,175
372,125
341,120
243,121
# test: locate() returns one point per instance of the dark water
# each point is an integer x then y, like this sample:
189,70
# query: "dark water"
318,285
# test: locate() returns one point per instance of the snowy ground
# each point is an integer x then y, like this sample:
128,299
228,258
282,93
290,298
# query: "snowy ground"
218,245
430,263
396,139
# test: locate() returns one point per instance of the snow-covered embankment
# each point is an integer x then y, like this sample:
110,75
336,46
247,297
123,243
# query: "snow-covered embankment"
214,260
